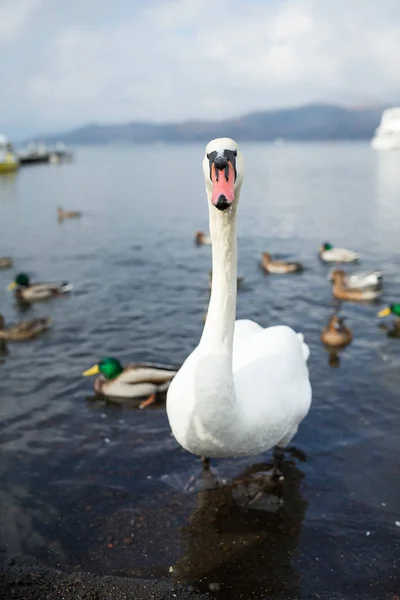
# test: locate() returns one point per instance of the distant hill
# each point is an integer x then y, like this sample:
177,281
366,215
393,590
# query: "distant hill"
312,122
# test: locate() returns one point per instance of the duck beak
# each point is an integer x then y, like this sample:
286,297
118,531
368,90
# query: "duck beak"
384,312
92,371
11,286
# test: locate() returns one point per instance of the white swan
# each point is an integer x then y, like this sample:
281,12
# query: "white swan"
244,389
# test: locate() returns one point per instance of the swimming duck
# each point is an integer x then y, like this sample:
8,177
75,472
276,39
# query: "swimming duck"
244,389
336,333
6,262
67,214
341,291
133,381
328,253
393,309
280,267
200,239
24,330
26,291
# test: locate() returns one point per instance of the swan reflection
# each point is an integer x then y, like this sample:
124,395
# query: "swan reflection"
241,538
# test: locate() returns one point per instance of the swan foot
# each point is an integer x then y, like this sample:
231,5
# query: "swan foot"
206,480
150,400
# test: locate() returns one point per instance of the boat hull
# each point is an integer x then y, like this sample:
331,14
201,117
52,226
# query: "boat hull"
8,167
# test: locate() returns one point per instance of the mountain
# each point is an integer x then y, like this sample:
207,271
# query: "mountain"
311,122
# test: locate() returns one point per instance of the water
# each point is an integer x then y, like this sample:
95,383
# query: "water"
98,487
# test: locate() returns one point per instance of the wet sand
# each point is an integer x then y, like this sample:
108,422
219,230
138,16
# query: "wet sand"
37,583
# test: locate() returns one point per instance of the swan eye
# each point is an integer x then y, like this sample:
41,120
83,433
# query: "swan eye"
235,153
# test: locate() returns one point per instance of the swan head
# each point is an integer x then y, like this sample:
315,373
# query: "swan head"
223,169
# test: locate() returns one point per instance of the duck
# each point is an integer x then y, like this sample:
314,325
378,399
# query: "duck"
239,280
6,262
329,253
393,309
279,267
25,291
364,279
341,291
67,214
200,239
336,334
135,380
24,330
244,389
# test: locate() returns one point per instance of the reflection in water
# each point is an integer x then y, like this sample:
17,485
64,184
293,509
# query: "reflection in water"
393,331
333,358
241,538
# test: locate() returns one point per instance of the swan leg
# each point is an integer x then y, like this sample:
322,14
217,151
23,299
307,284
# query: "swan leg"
207,479
150,400
278,456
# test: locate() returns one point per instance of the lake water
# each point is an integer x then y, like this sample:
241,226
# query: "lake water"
92,486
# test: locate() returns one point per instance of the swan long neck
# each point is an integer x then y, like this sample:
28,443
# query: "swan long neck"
220,321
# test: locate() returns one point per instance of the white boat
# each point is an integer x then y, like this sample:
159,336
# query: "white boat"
387,135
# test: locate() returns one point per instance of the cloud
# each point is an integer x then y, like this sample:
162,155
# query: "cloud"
174,59
14,16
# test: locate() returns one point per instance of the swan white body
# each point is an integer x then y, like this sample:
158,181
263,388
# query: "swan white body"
244,389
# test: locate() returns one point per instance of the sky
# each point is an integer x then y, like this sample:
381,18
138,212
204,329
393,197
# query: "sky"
65,63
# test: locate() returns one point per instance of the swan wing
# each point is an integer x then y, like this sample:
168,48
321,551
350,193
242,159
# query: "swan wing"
272,384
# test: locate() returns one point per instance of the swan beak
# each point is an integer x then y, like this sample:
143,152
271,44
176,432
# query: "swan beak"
11,286
93,371
385,312
223,186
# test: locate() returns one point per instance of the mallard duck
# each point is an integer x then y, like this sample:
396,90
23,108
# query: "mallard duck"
26,291
244,389
336,333
279,267
133,381
67,214
341,291
6,262
393,309
364,279
200,239
328,253
25,330
238,279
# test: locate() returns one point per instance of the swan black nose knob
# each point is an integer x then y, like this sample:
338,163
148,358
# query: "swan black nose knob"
220,162
222,203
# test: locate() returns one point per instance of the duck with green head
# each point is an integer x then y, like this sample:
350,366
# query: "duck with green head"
136,380
26,291
328,253
392,309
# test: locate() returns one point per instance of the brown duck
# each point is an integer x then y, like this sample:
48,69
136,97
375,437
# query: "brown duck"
67,214
341,291
279,267
200,239
25,330
6,262
336,334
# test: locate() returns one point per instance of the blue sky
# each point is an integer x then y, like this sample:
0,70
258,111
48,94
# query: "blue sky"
66,63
